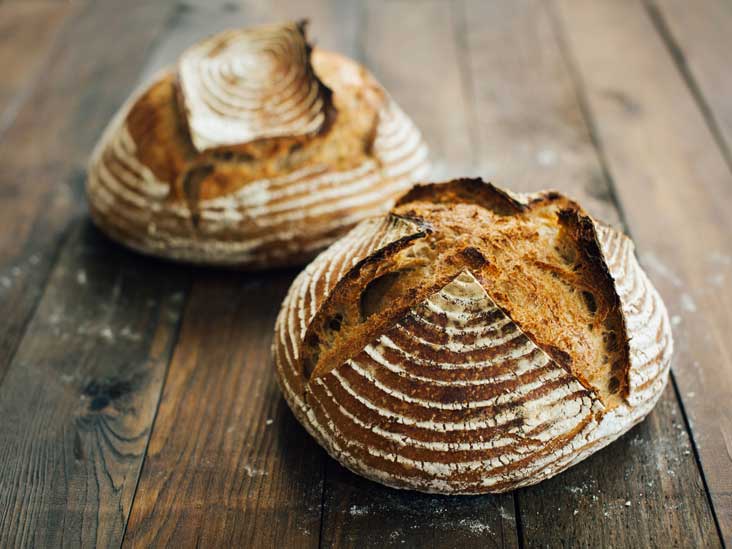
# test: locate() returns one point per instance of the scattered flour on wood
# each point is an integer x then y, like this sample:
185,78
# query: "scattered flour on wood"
546,157
506,515
358,511
687,303
127,333
719,258
475,526
716,279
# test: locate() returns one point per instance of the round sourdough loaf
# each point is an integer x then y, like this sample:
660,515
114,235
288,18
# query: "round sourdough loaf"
254,151
472,340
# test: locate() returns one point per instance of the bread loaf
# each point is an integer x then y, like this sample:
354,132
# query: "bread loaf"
472,340
254,151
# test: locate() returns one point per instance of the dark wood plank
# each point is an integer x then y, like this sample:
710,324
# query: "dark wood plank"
412,48
359,513
675,189
533,136
228,464
698,35
78,397
27,33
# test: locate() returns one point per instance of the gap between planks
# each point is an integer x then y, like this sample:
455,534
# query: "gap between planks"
677,54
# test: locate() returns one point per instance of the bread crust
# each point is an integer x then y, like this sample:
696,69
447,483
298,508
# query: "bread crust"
199,166
451,394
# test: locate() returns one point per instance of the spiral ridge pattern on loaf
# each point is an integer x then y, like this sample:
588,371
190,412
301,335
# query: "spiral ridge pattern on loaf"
238,86
454,397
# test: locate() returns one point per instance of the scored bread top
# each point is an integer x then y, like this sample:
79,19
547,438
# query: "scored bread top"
255,151
472,340
241,86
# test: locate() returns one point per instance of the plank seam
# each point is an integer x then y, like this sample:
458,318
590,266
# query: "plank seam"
697,457
591,124
677,54
173,344
172,20
322,500
519,522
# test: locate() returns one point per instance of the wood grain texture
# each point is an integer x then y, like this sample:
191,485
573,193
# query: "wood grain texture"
227,463
27,36
80,396
698,36
44,151
531,132
675,188
529,110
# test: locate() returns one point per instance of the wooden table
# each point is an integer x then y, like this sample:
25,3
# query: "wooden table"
137,401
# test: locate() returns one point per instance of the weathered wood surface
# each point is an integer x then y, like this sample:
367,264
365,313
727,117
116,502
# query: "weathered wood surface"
227,465
698,35
587,97
87,327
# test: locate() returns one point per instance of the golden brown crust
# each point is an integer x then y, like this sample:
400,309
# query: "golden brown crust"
274,198
493,342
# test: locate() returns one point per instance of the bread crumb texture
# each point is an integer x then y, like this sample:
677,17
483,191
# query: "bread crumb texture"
472,340
254,151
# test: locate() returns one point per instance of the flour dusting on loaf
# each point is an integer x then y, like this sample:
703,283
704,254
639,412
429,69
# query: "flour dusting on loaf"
428,348
239,86
254,151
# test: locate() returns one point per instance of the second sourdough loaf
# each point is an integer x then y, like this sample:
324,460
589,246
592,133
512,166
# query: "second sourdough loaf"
254,151
472,340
